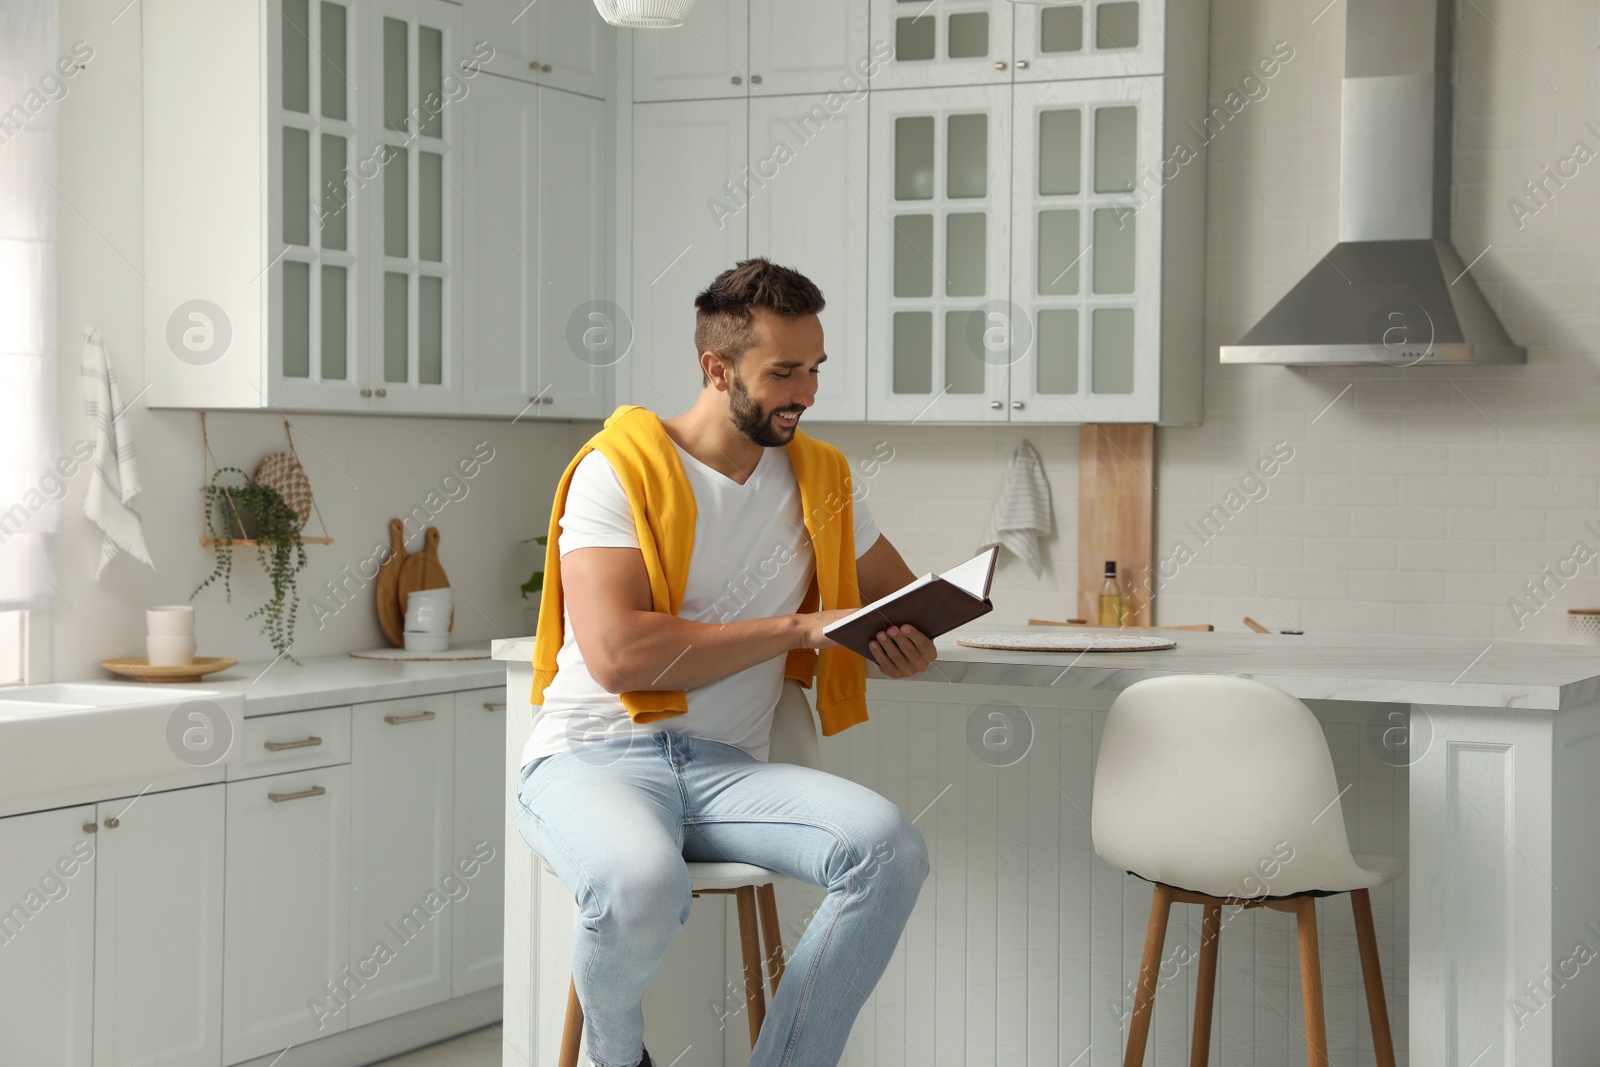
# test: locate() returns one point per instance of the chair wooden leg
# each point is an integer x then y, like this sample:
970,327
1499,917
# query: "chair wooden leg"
1372,978
1149,972
1205,985
771,934
750,943
572,1029
1311,982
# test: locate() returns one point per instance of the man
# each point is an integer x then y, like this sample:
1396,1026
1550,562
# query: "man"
687,561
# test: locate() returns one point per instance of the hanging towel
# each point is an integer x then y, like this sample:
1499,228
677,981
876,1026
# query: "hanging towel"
113,482
1021,512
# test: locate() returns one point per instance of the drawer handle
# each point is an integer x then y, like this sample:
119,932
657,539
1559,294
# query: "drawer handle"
314,791
491,706
401,720
279,746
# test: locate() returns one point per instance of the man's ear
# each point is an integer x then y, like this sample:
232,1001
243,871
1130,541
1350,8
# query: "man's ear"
716,369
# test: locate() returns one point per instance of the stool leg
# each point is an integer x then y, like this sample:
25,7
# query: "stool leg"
572,1029
750,943
1206,985
1311,982
1372,978
1149,971
771,934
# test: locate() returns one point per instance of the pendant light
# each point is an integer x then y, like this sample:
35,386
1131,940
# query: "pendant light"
644,14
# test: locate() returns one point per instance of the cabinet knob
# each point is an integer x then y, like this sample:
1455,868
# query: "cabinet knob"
737,80
380,393
1022,64
1000,65
755,79
1016,405
545,68
113,822
489,705
541,399
366,392
534,66
995,404
401,720
90,827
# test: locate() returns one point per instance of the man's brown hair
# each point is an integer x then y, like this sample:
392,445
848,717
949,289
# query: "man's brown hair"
724,312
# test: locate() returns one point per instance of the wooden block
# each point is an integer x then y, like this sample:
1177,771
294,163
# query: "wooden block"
1116,502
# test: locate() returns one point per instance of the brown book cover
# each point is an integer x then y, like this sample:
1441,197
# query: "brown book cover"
934,604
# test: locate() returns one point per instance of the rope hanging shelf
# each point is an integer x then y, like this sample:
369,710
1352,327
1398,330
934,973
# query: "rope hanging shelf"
280,470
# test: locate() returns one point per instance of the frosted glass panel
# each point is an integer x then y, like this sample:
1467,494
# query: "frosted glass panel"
1057,347
913,352
430,79
913,39
430,206
1060,253
1061,29
1113,249
395,73
1113,351
969,35
968,152
296,319
335,319
395,326
1116,26
395,191
1060,152
913,158
297,56
966,261
334,101
430,330
296,186
913,255
963,363
1116,132
333,213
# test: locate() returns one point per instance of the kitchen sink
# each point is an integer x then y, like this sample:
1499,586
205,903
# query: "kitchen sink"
78,733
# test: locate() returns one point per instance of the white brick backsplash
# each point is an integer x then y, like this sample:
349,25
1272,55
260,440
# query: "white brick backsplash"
1397,586
1409,523
1369,491
1258,551
1304,521
1488,524
1447,491
1472,556
1405,459
1351,554
1303,583
1463,620
1347,616
1533,492
1499,458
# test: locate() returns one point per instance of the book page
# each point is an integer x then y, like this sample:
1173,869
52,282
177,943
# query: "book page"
973,576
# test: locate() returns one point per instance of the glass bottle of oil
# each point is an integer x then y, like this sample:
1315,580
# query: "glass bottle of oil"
1111,597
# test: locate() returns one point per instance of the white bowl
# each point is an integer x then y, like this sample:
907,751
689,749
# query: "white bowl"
428,622
440,597
173,620
169,650
419,642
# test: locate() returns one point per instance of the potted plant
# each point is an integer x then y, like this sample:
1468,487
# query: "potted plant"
252,512
534,586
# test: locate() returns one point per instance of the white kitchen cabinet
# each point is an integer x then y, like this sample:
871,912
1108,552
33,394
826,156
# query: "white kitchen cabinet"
939,270
482,802
47,875
158,929
401,839
560,43
685,233
944,42
1091,39
706,58
287,888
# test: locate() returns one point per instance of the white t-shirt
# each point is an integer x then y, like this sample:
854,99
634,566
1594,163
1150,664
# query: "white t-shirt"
752,559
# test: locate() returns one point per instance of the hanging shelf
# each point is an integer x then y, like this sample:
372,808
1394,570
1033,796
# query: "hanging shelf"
287,476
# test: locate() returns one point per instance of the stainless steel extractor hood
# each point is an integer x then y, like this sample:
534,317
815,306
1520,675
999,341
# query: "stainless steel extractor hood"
1393,290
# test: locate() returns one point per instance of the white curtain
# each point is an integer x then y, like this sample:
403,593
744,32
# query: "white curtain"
33,474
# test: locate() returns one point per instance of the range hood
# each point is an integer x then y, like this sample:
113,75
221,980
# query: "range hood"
1393,290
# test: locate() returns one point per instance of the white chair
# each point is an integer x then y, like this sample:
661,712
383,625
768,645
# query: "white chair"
1221,791
793,740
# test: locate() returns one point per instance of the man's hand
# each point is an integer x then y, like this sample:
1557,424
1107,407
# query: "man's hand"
900,651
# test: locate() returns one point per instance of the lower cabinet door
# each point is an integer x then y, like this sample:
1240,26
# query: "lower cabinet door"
286,908
47,890
402,773
482,795
158,930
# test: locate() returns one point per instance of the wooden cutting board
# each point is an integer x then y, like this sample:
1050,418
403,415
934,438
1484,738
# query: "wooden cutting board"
422,571
391,619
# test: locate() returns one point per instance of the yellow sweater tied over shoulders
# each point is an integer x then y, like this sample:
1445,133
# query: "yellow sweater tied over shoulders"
652,475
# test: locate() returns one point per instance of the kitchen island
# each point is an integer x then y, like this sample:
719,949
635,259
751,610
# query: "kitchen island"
1477,765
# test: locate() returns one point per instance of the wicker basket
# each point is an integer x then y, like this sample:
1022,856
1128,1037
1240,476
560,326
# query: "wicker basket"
1584,625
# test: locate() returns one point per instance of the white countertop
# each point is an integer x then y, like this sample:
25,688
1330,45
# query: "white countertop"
325,681
1408,670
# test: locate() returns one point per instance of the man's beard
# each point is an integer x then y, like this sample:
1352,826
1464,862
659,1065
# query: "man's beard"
750,420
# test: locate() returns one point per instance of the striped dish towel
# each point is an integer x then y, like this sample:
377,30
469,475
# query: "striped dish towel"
1022,512
114,481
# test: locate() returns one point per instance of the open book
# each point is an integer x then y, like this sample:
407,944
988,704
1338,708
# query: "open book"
935,604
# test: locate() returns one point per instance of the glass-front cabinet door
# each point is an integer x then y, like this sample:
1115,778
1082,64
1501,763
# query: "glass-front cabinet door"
939,322
416,209
314,324
1085,269
943,42
1091,39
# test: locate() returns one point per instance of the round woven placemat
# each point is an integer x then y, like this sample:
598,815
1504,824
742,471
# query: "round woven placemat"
1062,641
402,654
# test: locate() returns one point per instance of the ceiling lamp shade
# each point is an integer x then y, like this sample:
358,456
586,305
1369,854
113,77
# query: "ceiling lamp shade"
645,14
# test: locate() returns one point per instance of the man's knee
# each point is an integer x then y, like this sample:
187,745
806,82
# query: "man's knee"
646,899
892,850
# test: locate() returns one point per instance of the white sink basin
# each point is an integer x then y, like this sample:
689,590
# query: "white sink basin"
78,733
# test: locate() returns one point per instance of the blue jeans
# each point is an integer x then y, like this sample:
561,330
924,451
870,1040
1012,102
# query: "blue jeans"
617,819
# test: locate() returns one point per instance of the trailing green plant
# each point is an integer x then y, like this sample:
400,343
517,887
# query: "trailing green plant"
252,511
535,585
